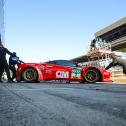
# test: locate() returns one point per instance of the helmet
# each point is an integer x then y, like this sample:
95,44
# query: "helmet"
14,53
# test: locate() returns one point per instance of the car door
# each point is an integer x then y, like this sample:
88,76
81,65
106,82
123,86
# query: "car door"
62,72
67,70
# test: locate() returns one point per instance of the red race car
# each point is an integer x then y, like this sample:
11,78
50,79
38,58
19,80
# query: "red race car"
61,70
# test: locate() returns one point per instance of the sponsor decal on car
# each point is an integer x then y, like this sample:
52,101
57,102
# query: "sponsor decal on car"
62,74
76,73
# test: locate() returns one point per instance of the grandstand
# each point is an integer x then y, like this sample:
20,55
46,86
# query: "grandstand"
114,35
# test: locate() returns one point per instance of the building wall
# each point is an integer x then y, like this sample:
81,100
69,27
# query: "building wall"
2,21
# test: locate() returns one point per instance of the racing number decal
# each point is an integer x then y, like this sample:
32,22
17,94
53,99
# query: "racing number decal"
62,74
76,73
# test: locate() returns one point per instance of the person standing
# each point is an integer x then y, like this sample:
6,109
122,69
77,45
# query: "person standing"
3,62
13,61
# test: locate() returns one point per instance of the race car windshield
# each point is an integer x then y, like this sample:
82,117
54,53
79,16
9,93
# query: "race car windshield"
63,63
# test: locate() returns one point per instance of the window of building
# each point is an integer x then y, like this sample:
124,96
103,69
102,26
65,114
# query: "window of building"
123,32
116,35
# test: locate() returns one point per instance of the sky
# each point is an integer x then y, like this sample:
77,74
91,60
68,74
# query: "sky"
43,30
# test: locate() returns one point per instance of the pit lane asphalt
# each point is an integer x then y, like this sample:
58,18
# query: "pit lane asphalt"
53,104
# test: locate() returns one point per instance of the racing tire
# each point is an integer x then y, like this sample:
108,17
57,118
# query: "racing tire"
30,75
92,75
